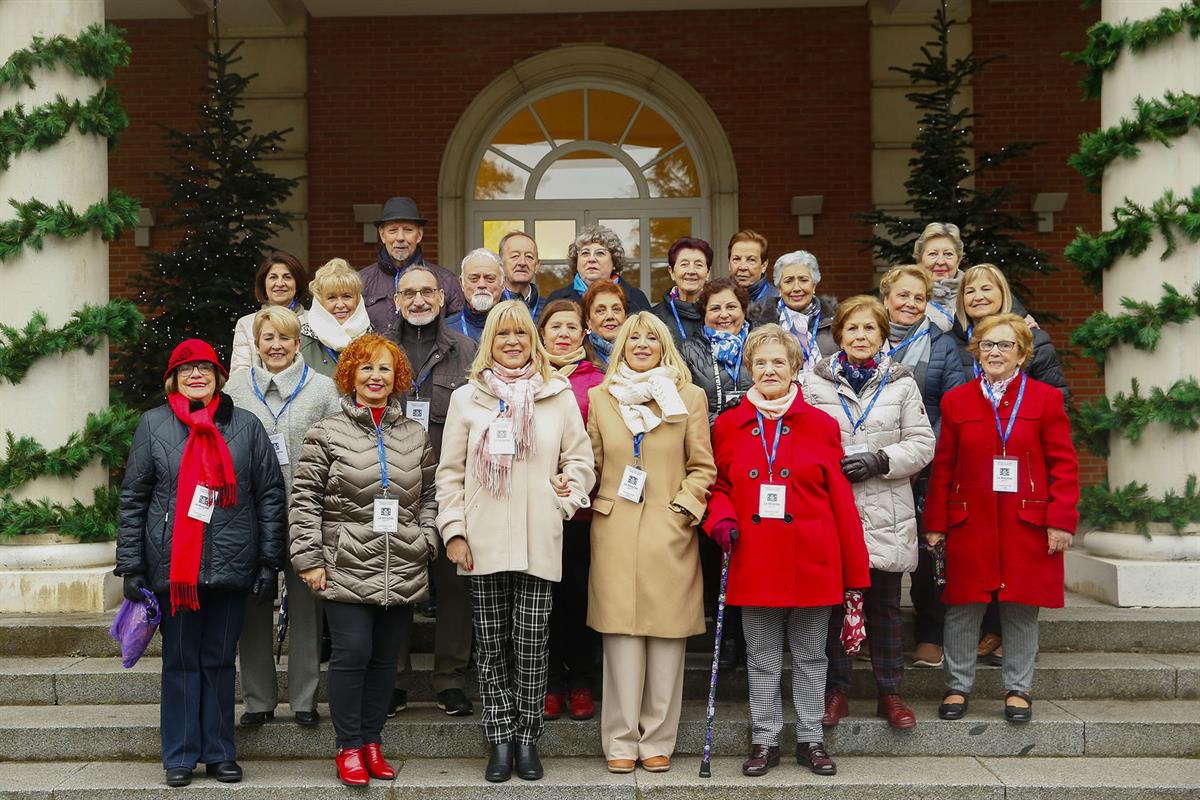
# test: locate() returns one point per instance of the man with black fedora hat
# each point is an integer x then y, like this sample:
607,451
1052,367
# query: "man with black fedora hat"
401,228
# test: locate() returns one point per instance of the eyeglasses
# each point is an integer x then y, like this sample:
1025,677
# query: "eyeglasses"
203,367
426,293
987,346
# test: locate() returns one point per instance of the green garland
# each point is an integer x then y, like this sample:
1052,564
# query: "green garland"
1106,41
1156,120
119,322
1132,504
47,124
96,53
88,523
106,435
1128,414
1133,230
1141,328
36,220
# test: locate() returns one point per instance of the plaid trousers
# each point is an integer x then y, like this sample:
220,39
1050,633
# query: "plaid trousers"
512,624
881,608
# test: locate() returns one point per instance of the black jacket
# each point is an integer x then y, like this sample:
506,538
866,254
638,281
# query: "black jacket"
238,540
440,358
635,298
722,392
689,317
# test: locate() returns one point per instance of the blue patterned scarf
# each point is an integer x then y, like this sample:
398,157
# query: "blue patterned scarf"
602,346
727,348
857,375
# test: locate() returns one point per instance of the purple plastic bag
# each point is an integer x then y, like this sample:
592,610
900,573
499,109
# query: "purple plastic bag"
134,627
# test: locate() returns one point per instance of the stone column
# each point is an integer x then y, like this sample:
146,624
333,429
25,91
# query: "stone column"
55,398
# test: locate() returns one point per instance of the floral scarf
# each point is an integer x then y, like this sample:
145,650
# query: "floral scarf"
516,390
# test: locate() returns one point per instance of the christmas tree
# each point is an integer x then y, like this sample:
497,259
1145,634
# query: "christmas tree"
228,207
937,187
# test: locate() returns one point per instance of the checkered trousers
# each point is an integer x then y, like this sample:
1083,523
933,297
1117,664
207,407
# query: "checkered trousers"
765,629
512,623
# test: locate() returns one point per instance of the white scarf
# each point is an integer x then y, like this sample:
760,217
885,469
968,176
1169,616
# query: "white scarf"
336,335
633,390
772,409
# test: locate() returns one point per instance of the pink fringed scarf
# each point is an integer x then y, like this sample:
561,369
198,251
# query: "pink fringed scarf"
516,389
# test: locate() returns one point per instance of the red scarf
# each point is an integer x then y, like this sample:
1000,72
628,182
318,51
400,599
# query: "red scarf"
205,462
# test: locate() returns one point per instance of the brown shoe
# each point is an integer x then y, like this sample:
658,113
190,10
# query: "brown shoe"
898,715
837,707
656,763
996,657
621,766
762,758
928,654
814,756
987,644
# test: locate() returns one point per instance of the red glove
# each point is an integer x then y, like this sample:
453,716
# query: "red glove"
725,533
854,628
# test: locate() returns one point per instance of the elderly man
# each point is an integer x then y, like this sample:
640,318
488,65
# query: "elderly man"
519,253
440,358
748,266
483,287
401,228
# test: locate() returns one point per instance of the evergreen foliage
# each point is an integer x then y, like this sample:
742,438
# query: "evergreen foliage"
1141,327
96,53
107,435
1128,414
89,523
1132,504
1154,120
117,322
47,124
35,221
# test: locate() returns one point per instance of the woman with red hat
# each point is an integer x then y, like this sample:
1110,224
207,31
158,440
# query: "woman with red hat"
202,524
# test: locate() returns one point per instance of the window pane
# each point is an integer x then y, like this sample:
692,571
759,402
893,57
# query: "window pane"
552,276
494,230
629,231
608,114
650,136
663,233
499,179
660,282
674,176
522,139
586,174
562,114
553,237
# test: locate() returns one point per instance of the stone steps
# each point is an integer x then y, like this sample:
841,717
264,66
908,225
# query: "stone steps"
858,778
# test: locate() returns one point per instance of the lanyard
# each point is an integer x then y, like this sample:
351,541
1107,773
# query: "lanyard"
945,312
419,382
975,368
637,448
907,342
462,323
382,455
866,413
295,304
762,435
678,321
332,354
1012,420
758,297
276,417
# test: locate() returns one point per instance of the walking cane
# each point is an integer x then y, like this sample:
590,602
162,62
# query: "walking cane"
283,624
710,712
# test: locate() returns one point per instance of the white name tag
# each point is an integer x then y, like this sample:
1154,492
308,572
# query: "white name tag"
280,447
203,502
771,501
633,484
500,438
387,509
1004,474
856,449
418,411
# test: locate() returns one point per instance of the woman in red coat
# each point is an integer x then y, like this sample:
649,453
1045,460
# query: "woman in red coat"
800,549
1002,495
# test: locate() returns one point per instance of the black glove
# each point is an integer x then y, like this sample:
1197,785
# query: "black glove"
266,585
132,589
861,466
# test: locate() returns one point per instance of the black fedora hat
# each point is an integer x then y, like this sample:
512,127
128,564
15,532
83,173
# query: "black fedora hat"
400,208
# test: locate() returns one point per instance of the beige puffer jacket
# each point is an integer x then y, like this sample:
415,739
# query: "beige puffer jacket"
336,482
899,426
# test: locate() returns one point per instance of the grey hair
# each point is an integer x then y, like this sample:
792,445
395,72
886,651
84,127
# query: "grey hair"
801,258
598,234
935,230
481,252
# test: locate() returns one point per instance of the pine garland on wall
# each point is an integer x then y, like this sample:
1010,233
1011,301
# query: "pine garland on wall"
47,124
1140,328
1156,120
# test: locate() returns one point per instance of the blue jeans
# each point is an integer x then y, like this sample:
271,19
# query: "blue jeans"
196,703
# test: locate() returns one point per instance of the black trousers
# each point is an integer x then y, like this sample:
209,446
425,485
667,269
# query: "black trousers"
574,647
711,559
929,615
367,640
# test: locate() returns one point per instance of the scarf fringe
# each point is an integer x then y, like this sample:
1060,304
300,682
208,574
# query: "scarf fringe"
185,596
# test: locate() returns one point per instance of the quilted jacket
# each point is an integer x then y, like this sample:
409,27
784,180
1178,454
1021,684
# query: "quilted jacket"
334,488
237,540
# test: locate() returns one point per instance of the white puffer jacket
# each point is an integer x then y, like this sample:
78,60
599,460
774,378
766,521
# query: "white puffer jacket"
897,425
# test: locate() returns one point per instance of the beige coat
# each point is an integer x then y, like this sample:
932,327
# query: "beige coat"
645,572
521,532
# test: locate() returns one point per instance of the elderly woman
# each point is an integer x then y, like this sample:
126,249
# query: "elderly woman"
650,437
798,310
336,318
362,526
939,249
887,441
281,281
202,524
778,459
515,464
573,645
1003,495
288,398
604,310
688,262
597,254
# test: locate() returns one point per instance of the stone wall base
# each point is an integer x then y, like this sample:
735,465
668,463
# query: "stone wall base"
1125,582
47,591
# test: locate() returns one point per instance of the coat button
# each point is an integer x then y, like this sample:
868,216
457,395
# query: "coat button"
783,473
787,518
753,473
786,430
1002,586
754,431
755,518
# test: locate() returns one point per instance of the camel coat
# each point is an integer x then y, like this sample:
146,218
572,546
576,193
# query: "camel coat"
645,571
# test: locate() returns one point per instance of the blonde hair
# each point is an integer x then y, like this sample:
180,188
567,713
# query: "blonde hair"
773,334
857,303
935,230
1020,329
284,320
647,322
336,276
514,311
976,273
917,271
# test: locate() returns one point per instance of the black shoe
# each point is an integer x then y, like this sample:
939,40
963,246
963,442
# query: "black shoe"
1017,713
179,776
224,771
256,719
529,766
307,719
427,610
500,763
454,703
399,702
814,756
953,710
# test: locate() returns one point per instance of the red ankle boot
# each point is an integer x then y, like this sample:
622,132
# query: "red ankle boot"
377,765
350,769
581,704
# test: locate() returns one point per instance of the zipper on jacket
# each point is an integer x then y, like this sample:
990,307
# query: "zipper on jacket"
387,541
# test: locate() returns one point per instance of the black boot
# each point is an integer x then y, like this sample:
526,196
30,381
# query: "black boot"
224,771
178,776
500,763
529,766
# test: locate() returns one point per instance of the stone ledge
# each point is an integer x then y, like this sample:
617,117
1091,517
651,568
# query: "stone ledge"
1123,582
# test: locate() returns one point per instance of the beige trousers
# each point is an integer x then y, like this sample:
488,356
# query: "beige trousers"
643,692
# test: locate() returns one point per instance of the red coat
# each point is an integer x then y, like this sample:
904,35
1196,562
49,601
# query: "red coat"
997,541
817,551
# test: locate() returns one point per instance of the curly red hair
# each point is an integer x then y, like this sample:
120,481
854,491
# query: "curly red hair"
364,349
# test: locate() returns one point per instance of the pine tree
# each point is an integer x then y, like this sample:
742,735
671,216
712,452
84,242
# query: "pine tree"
937,187
229,208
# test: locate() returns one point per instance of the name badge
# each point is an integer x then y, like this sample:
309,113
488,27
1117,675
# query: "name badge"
771,501
418,411
633,484
1004,474
856,449
387,511
202,505
280,447
500,438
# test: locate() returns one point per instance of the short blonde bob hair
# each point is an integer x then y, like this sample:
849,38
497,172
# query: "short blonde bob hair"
773,334
916,271
513,312
336,276
982,272
283,319
646,322
1020,329
857,303
936,230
